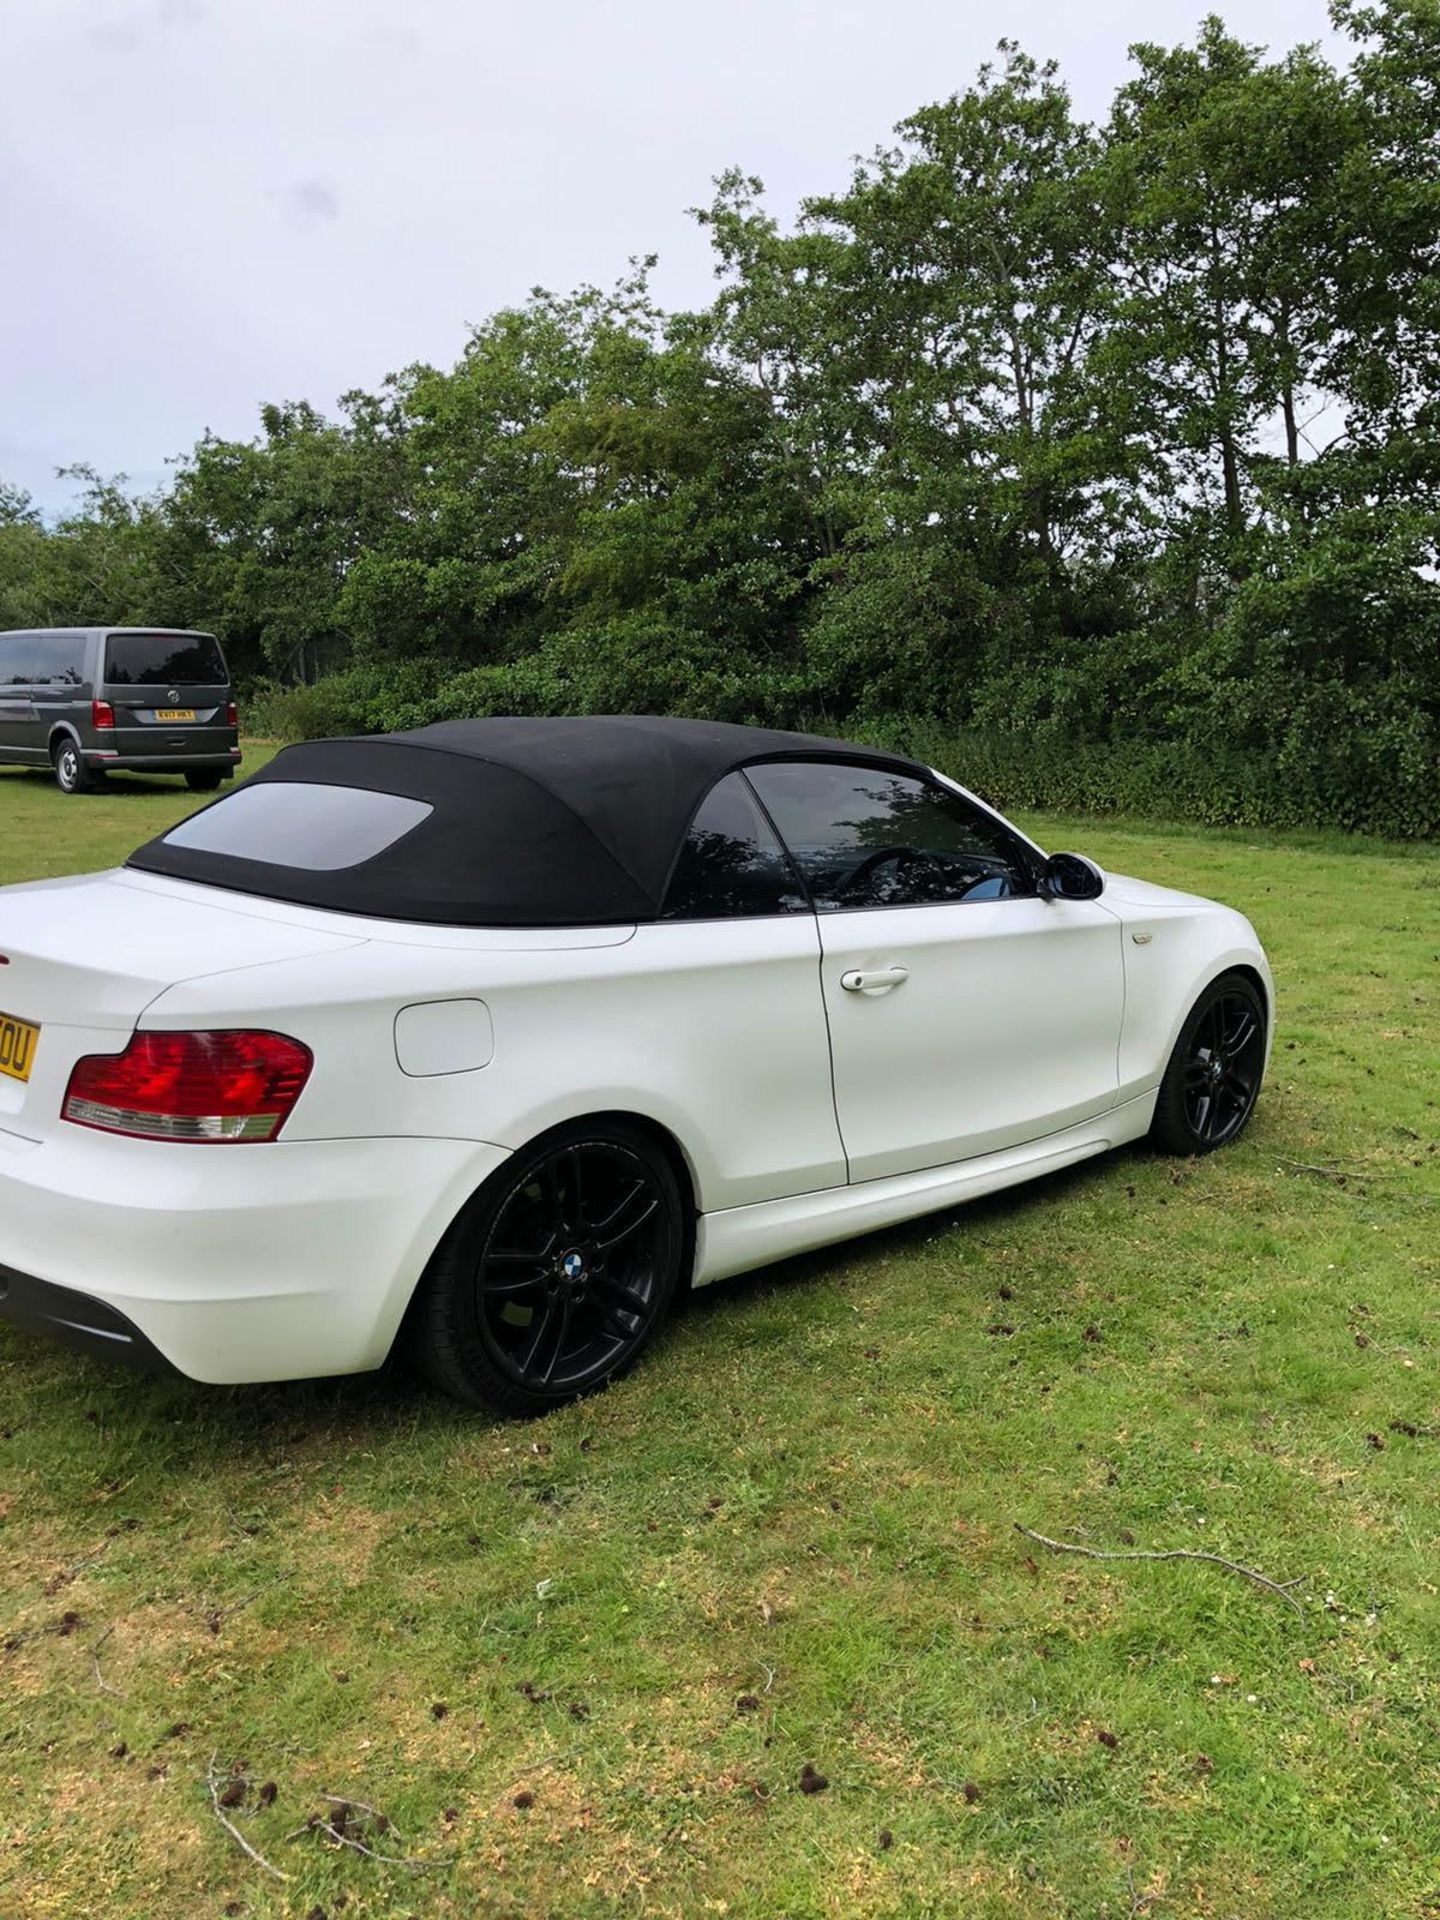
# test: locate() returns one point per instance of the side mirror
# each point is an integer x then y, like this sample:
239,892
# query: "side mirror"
1070,876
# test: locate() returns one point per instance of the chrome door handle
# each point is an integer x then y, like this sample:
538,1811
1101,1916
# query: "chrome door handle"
880,981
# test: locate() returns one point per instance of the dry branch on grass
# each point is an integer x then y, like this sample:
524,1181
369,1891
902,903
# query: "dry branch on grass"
1353,1180
100,1680
67,1574
1280,1587
342,1829
212,1780
214,1616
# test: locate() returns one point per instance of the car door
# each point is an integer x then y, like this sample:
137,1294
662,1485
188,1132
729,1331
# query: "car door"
967,1013
17,661
720,1001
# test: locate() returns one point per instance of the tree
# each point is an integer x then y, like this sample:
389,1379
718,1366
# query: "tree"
1226,167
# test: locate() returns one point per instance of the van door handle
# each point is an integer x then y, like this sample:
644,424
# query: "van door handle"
880,981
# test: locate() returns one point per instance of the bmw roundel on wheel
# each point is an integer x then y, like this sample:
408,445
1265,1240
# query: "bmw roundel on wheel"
491,1038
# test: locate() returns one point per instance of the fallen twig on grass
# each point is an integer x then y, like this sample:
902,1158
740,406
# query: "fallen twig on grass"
67,1574
212,1780
100,1680
1280,1587
382,1820
1340,1175
1353,1179
1138,1901
412,1863
340,1830
214,1615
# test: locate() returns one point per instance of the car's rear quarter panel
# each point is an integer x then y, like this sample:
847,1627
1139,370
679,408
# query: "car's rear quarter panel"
714,1031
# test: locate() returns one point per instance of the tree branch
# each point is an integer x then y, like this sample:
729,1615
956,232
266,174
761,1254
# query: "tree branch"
1280,1587
212,1781
100,1680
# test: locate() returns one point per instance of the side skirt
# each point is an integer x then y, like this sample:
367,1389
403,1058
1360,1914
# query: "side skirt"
741,1238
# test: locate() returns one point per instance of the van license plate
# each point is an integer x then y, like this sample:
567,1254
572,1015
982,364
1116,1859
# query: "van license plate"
17,1046
175,713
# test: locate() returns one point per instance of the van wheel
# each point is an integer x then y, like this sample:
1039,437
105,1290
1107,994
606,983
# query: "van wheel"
204,780
71,773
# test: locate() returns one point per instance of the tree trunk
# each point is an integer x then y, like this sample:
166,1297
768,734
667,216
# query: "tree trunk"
1292,429
1230,464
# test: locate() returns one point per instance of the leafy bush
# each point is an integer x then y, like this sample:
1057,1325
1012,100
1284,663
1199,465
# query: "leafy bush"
1368,782
1367,766
369,699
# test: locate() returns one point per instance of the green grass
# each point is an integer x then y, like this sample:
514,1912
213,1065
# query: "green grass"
806,1500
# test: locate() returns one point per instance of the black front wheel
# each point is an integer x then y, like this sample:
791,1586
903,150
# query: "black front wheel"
556,1276
1213,1078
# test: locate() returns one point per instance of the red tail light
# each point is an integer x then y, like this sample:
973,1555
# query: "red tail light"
205,1088
102,714
232,715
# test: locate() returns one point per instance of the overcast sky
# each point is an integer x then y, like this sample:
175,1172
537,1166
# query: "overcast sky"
205,204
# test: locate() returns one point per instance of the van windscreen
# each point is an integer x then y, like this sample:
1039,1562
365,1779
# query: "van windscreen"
164,659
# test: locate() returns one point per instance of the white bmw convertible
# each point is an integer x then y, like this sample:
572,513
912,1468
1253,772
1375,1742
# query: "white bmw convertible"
491,1037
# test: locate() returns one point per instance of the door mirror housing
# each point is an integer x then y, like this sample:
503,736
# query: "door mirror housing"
1070,876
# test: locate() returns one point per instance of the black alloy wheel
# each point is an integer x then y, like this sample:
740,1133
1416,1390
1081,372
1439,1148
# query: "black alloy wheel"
1214,1075
557,1275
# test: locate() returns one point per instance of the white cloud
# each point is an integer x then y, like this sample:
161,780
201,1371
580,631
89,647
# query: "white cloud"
310,203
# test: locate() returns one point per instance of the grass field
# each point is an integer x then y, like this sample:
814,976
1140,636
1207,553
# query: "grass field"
581,1666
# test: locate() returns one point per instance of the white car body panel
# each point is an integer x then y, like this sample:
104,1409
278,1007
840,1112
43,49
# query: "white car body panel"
238,1272
1175,945
748,1237
87,943
925,1072
732,1006
1028,1034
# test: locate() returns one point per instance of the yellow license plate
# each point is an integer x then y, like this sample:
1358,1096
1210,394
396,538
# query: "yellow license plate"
17,1046
175,713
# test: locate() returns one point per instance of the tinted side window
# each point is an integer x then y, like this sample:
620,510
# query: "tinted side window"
161,659
60,660
866,837
17,659
731,865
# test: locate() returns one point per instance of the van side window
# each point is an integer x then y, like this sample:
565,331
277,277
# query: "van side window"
60,660
17,659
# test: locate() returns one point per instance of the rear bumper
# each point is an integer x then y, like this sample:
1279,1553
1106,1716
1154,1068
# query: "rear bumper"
205,760
76,1321
277,1262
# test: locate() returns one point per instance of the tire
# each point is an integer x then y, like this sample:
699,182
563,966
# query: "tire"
71,773
205,780
556,1276
1213,1079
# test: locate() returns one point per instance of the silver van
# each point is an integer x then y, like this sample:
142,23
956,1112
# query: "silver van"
86,701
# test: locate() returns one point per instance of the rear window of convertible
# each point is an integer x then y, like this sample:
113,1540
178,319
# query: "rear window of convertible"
318,829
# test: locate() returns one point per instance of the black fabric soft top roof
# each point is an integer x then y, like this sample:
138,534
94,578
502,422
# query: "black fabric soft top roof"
533,822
